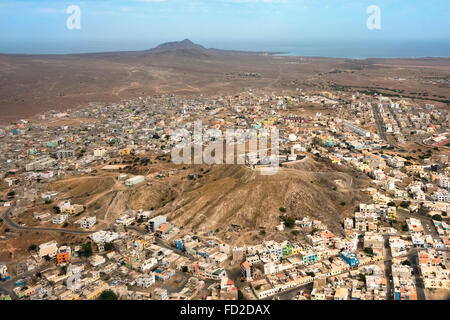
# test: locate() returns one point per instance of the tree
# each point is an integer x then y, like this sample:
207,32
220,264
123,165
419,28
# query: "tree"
63,270
368,250
47,258
108,246
283,209
240,295
32,247
437,217
107,295
86,250
405,204
391,204
290,222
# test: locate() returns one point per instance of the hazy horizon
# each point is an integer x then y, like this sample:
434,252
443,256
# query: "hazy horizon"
333,49
300,27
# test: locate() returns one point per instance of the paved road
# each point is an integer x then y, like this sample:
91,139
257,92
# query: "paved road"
414,259
388,269
137,229
427,222
15,226
291,293
379,122
394,115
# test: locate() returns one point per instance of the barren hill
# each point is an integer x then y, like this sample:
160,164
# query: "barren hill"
241,196
186,44
224,195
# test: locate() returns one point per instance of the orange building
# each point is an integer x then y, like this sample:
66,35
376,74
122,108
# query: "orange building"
63,257
63,254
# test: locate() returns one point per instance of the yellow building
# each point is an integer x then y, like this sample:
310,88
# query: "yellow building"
414,169
140,244
97,288
296,250
69,295
125,152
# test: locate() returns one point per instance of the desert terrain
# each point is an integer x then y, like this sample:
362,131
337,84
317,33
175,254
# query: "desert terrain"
30,84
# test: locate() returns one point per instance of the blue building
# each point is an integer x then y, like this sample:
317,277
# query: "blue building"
350,258
19,282
203,253
179,244
5,277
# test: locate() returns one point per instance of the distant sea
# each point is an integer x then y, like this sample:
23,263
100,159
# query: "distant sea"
355,49
335,49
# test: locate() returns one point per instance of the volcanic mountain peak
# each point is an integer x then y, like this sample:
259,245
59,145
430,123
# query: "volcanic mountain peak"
177,45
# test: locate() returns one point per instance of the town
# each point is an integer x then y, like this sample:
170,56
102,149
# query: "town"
82,216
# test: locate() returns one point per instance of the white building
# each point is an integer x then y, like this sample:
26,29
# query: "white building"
134,180
59,218
87,222
64,205
148,264
443,182
418,240
104,236
97,260
145,281
442,196
100,153
48,249
3,270
125,220
253,259
356,129
155,223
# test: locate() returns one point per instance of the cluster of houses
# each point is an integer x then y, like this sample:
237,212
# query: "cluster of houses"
159,262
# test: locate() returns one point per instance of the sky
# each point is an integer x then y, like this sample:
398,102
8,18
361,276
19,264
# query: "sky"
41,25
